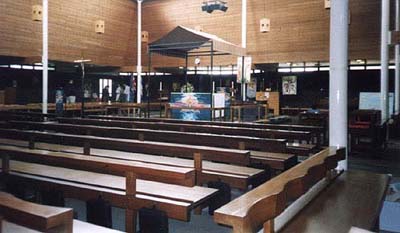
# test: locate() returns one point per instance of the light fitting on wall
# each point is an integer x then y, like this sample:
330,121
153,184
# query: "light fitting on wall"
212,5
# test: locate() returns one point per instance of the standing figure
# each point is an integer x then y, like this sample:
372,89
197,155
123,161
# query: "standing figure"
106,95
127,93
118,94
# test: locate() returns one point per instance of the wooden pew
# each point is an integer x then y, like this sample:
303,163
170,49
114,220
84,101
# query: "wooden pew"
299,148
155,172
316,130
22,216
251,132
203,139
236,176
319,198
238,157
125,192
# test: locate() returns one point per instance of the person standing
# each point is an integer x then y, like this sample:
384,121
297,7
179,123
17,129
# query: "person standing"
127,93
105,95
118,94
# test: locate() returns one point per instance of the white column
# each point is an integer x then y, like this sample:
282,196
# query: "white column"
338,135
385,61
139,53
244,40
45,55
397,62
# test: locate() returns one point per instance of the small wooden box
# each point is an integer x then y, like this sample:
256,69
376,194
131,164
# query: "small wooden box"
265,25
145,37
100,27
37,13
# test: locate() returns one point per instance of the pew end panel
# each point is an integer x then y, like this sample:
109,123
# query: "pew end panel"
258,208
34,216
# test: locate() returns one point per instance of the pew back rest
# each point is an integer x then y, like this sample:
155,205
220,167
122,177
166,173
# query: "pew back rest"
34,216
260,206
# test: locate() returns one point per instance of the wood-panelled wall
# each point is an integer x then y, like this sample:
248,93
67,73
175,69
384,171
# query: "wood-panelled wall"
299,29
71,30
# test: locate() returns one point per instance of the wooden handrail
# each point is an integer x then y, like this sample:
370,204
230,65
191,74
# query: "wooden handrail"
260,206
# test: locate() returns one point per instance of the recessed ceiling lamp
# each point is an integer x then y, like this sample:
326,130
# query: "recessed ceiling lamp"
212,5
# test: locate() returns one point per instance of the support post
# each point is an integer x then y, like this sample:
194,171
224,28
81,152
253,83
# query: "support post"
385,61
211,81
83,90
244,43
139,86
45,55
338,80
397,61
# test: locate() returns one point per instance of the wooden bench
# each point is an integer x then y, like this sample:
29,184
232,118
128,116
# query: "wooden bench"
276,147
333,202
155,172
125,192
251,132
238,157
236,176
21,216
257,133
317,130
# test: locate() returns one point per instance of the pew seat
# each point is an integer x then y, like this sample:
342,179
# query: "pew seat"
176,201
354,199
236,176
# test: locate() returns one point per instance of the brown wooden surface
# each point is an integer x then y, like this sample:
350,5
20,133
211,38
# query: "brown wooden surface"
354,199
221,123
176,200
155,172
239,157
71,31
299,29
236,176
261,133
191,138
35,216
249,212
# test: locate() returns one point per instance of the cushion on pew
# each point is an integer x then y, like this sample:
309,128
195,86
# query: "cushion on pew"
222,198
98,211
152,220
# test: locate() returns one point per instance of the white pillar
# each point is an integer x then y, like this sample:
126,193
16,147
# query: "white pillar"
244,41
338,136
139,53
397,62
385,61
45,55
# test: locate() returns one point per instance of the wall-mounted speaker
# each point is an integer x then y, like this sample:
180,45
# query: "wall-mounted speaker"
327,4
100,26
37,12
145,37
265,25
